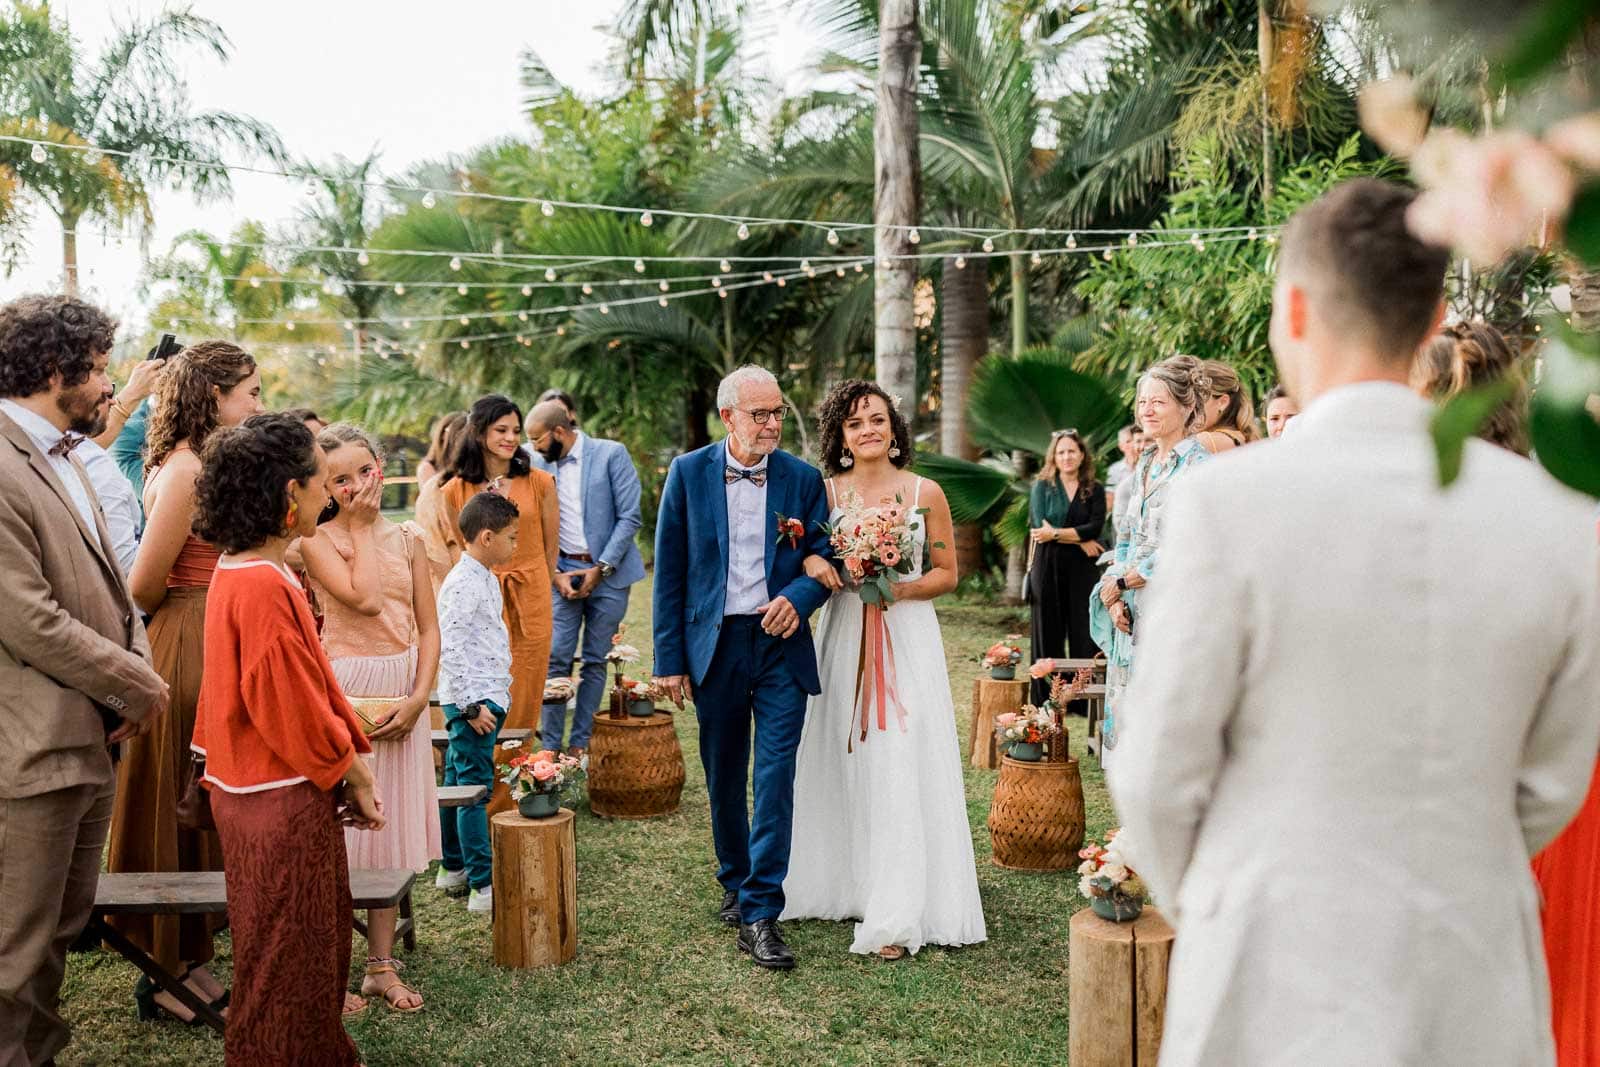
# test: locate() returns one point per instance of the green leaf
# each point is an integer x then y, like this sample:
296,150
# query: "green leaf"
1561,423
972,489
1019,403
1458,418
1543,38
1583,224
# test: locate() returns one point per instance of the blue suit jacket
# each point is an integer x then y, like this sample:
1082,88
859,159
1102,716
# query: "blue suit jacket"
691,583
611,516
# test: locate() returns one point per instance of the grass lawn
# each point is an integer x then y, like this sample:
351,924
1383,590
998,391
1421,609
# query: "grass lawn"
658,980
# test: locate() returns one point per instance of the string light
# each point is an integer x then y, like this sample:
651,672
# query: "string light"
461,290
464,343
1072,241
547,209
1036,259
766,275
664,286
38,154
961,263
549,275
588,290
522,316
722,294
255,283
399,290
289,326
743,232
662,301
724,266
605,309
805,264
455,262
716,283
638,266
1133,240
464,321
363,259
647,219
915,236
988,244
833,237
429,201
1106,255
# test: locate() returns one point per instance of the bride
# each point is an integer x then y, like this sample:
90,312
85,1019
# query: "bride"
880,819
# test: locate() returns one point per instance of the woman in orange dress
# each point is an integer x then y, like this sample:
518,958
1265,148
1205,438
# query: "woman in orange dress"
208,386
489,457
1568,871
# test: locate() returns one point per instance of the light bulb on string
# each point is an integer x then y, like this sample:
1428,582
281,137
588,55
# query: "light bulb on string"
399,290
461,290
1072,241
724,266
349,325
588,290
38,155
988,244
549,274
716,283
805,264
463,320
766,275
662,301
961,263
859,268
1133,240
722,294
833,237
363,259
561,331
429,201
638,266
883,264
605,309
839,271
464,343
664,286
1036,259
405,324
743,232
527,342
527,290
547,209
782,283
1106,255
647,219
255,283
915,236
1272,238
287,326
811,272
455,262
522,316
1250,235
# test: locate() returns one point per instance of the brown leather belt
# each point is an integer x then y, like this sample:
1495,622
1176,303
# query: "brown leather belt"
578,557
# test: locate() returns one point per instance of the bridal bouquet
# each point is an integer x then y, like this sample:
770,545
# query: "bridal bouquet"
1114,890
875,542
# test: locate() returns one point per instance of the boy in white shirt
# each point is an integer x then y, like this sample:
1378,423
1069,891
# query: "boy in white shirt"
474,687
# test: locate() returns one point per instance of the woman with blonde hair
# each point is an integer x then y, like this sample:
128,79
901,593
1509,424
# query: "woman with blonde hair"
1171,408
1465,355
1230,416
441,446
430,510
209,386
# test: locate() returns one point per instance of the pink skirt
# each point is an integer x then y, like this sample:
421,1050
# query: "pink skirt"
403,768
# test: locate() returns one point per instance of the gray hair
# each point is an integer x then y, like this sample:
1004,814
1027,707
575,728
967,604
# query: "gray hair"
1185,378
749,374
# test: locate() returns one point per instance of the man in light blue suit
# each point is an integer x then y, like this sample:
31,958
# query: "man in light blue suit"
598,491
731,603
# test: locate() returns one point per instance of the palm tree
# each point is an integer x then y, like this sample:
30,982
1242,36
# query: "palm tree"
130,101
897,199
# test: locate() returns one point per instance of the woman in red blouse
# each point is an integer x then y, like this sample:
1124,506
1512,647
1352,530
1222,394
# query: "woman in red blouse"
280,743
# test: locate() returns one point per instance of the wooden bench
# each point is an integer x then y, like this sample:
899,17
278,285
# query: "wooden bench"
1095,695
441,738
205,892
461,796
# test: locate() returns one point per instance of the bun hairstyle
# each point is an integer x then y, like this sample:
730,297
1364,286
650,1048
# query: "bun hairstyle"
1186,379
1240,414
1464,355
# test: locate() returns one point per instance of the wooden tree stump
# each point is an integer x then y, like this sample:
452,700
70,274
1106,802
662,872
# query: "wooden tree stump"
1117,989
991,698
535,889
635,767
1036,820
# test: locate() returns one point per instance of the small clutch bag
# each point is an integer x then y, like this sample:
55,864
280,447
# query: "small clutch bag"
368,710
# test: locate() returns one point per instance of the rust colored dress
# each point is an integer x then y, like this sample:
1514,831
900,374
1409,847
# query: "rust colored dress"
525,582
145,835
1568,871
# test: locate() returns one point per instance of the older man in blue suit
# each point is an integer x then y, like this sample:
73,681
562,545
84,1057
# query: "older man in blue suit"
598,490
731,603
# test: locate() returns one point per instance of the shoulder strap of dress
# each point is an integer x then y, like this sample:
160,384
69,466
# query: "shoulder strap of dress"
916,496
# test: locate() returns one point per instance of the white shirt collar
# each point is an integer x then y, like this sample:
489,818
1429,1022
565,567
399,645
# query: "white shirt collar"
577,448
728,454
1367,406
473,563
40,429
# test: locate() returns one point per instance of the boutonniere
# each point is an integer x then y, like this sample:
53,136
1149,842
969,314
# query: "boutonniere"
793,529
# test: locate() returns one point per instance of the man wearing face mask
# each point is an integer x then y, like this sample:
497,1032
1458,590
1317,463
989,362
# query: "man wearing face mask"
598,491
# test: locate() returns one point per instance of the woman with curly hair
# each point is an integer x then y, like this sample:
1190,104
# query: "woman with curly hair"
1465,355
489,456
281,744
1230,417
208,386
1171,408
880,820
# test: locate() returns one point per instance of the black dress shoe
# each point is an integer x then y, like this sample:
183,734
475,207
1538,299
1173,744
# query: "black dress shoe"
729,912
766,946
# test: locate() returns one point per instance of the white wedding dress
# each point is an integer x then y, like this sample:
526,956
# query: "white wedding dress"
880,826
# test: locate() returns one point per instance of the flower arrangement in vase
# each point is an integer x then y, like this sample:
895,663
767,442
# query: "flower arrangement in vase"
641,697
1114,890
1023,734
1002,658
538,779
619,656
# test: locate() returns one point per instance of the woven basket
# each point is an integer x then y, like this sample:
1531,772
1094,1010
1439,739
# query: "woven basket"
1036,820
635,767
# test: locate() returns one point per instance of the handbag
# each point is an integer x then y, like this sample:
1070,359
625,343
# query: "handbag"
194,803
367,710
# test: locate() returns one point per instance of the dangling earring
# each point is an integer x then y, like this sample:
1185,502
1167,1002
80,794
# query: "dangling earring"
292,520
846,460
894,452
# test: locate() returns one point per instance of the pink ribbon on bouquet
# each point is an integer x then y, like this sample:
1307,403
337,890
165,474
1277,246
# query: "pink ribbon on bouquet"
875,681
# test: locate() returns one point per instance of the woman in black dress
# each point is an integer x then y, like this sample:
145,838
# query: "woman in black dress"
1066,513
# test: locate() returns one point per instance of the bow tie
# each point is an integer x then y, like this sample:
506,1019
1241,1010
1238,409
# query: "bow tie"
731,474
68,442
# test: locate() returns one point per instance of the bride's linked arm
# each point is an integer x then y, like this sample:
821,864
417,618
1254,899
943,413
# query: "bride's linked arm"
806,594
942,575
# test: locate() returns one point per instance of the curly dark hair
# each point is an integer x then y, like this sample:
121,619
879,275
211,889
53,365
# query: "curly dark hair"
186,404
842,402
240,498
41,336
467,462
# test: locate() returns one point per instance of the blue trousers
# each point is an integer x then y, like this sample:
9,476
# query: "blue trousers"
749,684
598,616
464,832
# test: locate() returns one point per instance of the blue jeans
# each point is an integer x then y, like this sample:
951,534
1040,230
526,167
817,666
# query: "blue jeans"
749,683
464,832
598,615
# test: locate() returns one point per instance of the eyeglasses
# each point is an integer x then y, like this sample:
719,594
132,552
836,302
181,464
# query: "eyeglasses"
1072,432
764,416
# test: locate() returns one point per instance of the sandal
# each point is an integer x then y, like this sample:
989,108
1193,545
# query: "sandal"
353,1006
891,953
392,991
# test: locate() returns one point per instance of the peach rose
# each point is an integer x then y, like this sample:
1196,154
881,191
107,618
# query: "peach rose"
544,770
854,566
1006,718
1042,668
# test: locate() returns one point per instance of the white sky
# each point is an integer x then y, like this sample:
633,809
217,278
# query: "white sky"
342,76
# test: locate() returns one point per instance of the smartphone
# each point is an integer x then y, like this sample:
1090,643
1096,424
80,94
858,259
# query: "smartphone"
166,348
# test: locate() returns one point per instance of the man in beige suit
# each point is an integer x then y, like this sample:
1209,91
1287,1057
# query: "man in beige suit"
75,674
1362,701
